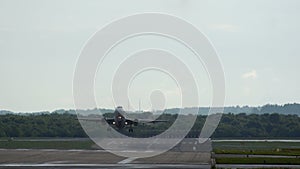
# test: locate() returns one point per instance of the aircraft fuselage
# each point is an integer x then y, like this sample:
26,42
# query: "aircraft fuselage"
119,121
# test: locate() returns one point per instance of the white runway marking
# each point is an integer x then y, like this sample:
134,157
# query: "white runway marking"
127,160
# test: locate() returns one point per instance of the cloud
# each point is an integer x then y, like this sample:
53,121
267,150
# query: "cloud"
224,27
250,75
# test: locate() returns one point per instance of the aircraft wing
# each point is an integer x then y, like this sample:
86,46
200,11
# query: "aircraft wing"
108,120
131,122
151,121
135,122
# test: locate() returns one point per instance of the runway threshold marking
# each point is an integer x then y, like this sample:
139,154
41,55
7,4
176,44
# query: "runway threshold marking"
127,160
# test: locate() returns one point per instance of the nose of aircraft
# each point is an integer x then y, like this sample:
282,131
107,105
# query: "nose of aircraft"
119,118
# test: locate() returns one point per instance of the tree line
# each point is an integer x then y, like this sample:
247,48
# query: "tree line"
231,126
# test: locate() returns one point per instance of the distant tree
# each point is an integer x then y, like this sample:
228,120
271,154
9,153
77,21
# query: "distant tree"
231,125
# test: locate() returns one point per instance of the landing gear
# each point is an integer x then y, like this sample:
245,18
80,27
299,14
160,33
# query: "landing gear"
130,130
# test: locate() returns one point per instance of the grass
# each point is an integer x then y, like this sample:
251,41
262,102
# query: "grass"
258,161
285,152
258,148
255,145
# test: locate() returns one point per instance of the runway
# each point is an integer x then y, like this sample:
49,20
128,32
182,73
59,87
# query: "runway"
126,166
187,154
51,158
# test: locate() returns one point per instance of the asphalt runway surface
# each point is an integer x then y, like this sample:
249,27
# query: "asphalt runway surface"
45,158
187,154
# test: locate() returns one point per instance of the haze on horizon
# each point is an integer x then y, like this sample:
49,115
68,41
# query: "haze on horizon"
40,41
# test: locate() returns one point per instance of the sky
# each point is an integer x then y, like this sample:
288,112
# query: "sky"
40,41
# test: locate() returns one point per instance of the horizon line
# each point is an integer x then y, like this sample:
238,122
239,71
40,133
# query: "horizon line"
225,106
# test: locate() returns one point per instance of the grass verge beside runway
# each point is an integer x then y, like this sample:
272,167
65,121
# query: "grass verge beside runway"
293,161
287,149
258,148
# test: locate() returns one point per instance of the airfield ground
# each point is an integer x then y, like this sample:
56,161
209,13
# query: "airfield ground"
29,156
83,153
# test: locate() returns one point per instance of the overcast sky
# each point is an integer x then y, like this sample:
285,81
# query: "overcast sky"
40,41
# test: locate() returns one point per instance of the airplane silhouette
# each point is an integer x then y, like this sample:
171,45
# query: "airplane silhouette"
120,121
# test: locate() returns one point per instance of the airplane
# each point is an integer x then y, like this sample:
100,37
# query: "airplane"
120,121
